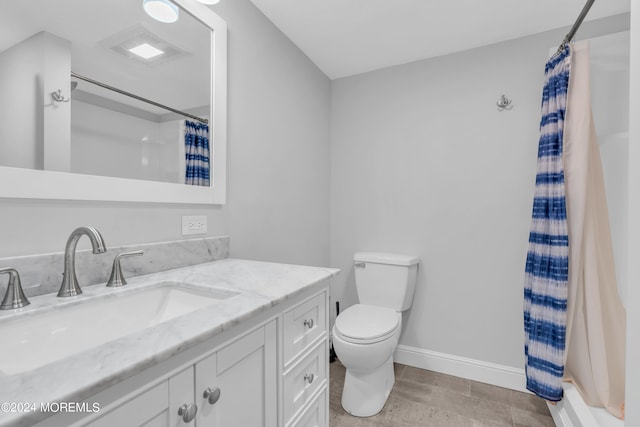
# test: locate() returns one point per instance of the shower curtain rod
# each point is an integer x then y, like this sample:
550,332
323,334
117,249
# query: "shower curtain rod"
576,25
139,98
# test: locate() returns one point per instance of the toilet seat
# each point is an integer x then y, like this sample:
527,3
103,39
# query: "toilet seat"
367,324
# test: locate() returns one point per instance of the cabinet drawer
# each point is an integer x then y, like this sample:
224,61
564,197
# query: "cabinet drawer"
316,414
302,325
303,380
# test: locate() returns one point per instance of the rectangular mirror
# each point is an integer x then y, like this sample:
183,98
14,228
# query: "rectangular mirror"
102,102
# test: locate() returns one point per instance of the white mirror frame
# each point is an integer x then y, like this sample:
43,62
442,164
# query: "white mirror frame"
19,183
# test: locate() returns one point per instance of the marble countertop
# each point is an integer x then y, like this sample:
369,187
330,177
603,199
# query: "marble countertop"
256,286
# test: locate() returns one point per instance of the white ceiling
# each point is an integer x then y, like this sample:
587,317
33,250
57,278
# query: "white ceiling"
346,37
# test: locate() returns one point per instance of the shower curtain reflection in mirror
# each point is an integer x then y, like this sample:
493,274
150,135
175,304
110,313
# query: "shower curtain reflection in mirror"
196,142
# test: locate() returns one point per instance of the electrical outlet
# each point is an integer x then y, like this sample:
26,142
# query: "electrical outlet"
195,224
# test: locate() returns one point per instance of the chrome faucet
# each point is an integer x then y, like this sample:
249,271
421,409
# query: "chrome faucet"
14,297
117,277
69,286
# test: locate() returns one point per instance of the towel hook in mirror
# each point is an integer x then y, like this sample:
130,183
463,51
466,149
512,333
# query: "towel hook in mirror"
57,96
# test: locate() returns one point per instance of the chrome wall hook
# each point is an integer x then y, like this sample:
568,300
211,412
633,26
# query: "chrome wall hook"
504,103
58,97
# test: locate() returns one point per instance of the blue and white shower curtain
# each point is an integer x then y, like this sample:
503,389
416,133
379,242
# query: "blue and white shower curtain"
547,266
196,140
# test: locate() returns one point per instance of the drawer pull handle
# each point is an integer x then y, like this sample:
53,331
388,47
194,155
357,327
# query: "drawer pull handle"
309,378
188,412
212,395
308,323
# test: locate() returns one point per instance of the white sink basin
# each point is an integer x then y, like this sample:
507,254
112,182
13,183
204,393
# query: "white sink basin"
33,341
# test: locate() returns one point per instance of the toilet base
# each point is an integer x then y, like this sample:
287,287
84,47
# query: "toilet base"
364,394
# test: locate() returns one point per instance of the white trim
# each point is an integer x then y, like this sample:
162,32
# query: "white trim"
21,183
571,411
472,369
560,416
632,375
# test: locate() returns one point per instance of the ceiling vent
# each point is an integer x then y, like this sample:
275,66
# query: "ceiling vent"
134,41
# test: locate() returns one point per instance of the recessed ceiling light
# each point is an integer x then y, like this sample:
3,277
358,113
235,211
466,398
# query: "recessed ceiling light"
161,10
146,51
209,1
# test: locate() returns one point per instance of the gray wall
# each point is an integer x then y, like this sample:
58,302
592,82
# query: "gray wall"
423,163
278,144
278,163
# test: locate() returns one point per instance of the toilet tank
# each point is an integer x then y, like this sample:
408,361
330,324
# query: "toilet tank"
386,280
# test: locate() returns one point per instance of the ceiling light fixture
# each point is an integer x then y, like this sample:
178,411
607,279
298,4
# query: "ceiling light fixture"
209,1
161,10
146,51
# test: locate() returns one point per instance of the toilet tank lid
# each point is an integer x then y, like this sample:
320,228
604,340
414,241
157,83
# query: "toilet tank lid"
386,258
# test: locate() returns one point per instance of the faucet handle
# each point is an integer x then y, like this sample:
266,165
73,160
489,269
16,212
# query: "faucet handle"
117,277
14,297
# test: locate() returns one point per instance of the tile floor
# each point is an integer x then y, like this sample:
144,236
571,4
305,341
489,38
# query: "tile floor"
425,398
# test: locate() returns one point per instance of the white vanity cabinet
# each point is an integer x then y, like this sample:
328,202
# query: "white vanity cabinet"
239,380
268,371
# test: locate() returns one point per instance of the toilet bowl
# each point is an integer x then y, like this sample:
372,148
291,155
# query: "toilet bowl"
364,338
365,335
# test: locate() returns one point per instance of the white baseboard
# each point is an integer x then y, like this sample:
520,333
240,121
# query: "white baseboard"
477,370
561,416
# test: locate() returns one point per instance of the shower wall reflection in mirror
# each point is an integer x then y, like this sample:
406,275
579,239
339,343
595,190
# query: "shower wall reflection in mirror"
54,119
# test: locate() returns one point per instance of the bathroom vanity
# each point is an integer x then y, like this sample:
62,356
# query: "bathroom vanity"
253,351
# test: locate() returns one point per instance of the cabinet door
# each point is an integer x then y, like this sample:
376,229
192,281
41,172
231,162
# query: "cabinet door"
150,408
245,374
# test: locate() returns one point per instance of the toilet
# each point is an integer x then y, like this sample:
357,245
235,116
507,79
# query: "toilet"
366,334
